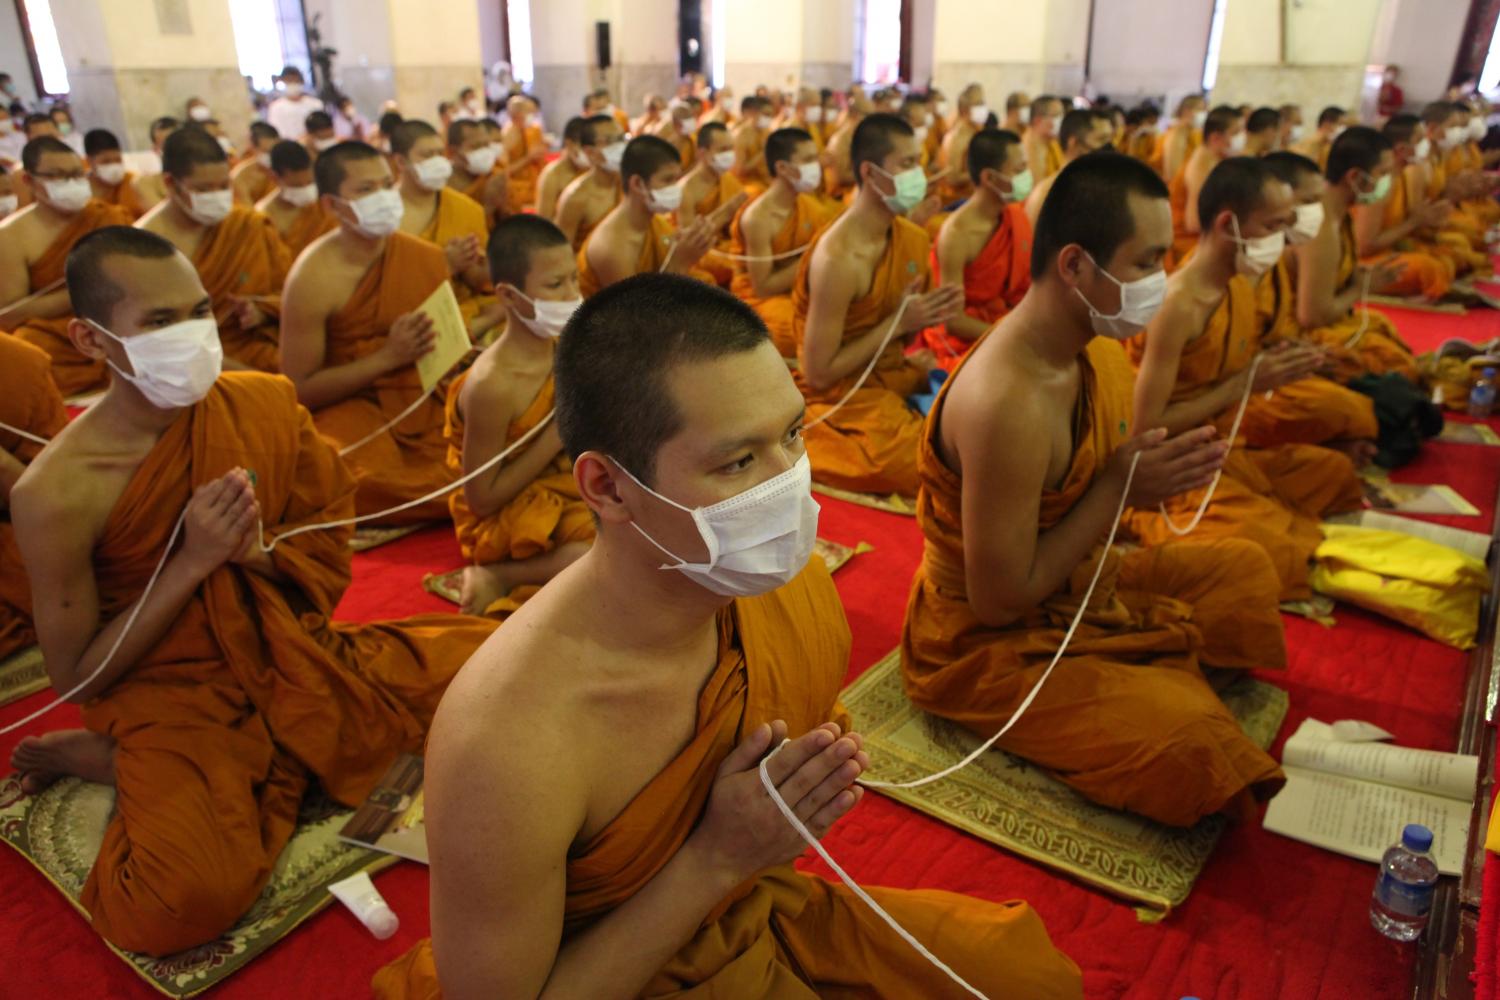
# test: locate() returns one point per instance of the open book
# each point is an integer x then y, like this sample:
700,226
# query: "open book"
1354,796
391,819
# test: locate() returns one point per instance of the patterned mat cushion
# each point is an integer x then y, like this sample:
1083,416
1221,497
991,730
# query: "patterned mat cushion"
60,830
22,673
1010,802
368,538
894,504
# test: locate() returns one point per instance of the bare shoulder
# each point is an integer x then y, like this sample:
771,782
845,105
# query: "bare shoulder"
995,389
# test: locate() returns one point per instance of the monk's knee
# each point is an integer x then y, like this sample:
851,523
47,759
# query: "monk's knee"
167,915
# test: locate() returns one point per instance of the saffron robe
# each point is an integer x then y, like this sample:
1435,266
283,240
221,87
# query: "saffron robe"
124,195
994,283
459,215
807,218
720,268
521,181
655,247
310,222
1425,270
243,255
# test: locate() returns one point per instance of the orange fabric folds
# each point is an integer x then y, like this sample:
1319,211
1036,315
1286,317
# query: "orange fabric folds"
807,219
243,256
994,283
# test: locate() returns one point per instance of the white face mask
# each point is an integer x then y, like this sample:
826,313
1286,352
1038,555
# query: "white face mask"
613,154
264,159
664,200
756,541
1477,129
809,177
110,173
579,160
480,161
764,123
174,366
294,90
931,119
814,115
980,113
209,208
1294,134
432,173
69,196
7,126
548,317
1423,149
300,196
920,134
225,144
1455,136
1139,302
942,109
1199,119
8,204
378,213
1237,144
723,162
1257,256
324,145
911,188
1023,115
1309,222
1336,133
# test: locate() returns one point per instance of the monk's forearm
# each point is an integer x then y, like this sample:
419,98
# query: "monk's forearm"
967,327
488,493
11,468
477,278
852,358
338,382
1387,238
49,306
776,280
1205,408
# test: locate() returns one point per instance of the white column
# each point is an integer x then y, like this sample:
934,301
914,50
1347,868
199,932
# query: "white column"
1148,49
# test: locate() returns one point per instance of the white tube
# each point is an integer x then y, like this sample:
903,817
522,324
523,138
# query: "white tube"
367,904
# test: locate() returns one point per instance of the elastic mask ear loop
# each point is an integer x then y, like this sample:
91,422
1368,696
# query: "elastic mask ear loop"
1093,309
709,540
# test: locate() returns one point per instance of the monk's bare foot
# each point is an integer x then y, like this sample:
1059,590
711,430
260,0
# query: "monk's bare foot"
482,586
78,752
1361,451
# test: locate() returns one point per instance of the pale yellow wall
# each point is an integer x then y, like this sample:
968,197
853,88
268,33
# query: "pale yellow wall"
1252,33
1331,32
762,31
561,33
125,34
434,32
981,31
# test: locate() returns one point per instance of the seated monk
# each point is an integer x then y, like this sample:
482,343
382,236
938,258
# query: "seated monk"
31,404
1181,138
1035,423
522,522
352,335
1401,221
319,135
108,178
783,219
293,207
585,202
238,253
1291,130
1043,153
431,210
1196,367
1332,121
750,134
10,201
1262,132
254,177
679,128
1017,112
985,246
637,236
496,190
954,152
1223,137
850,286
475,169
151,189
1082,132
1464,163
562,171
229,692
630,849
34,243
1329,281
525,151
1461,236
709,184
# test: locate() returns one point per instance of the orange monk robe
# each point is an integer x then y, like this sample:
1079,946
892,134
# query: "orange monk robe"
251,692
459,215
1365,341
1183,241
243,256
1481,212
125,196
654,249
406,461
1127,717
521,185
1054,160
29,401
1142,146
783,934
721,268
476,188
808,218
310,222
1158,159
586,228
260,183
994,283
1425,269
870,443
547,513
753,174
73,372
1460,236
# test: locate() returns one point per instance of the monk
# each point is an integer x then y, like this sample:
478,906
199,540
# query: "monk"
525,151
1196,367
1036,423
238,253
294,208
319,134
1044,154
1223,137
30,404
1466,162
985,245
1403,221
1461,237
1017,112
110,182
253,177
1291,130
439,214
773,227
1332,121
230,692
749,135
637,236
1262,132
1330,282
1181,138
953,154
707,186
585,202
34,243
850,286
653,112
1083,130
522,522
562,171
351,336
639,855
150,188
679,127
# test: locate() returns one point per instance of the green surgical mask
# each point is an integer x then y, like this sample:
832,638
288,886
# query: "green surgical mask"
1382,188
1021,185
911,188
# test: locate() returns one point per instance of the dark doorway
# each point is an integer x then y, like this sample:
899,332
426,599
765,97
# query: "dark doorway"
690,41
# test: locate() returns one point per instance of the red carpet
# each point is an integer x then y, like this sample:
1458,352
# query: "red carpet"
1270,918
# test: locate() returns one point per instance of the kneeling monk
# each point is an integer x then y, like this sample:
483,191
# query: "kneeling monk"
626,846
1025,458
352,336
229,691
522,521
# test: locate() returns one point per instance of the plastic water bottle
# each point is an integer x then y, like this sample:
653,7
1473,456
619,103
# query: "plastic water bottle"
1402,900
1482,396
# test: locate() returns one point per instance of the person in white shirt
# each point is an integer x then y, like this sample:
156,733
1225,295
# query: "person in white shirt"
288,113
11,136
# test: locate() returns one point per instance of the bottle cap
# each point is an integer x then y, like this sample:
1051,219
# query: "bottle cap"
382,922
1417,837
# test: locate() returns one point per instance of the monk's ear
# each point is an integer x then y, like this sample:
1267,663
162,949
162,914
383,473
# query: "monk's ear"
598,485
1070,263
89,341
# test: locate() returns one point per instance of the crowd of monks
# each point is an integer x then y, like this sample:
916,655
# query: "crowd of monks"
753,293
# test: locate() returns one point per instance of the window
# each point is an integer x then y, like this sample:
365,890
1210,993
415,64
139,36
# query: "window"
1215,39
717,42
46,54
1489,77
878,42
518,17
257,40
